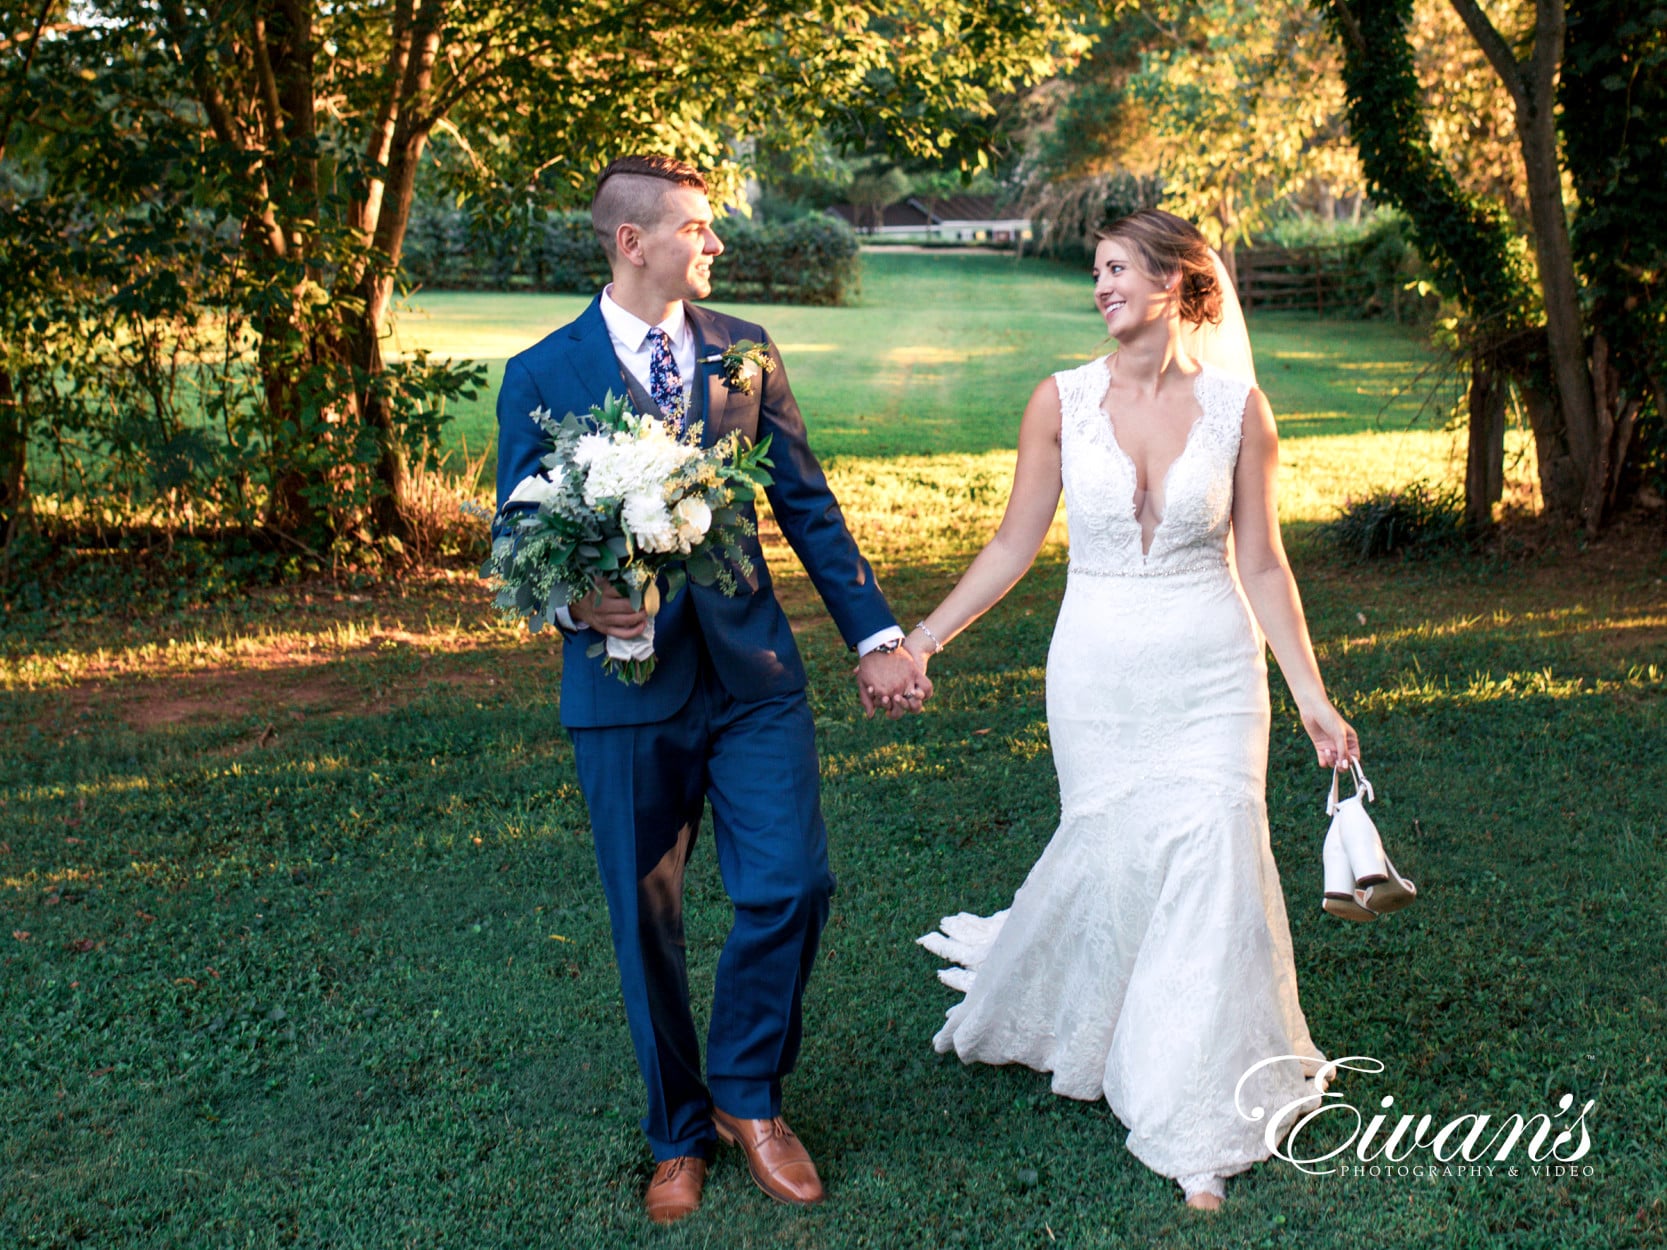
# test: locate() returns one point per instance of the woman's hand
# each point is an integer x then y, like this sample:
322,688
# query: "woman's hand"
916,645
1335,741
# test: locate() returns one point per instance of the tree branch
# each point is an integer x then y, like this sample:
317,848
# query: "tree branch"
220,119
16,102
1350,25
268,81
8,42
1497,51
365,214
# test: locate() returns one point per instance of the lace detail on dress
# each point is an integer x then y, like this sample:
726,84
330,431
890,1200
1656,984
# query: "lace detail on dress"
1100,480
1146,958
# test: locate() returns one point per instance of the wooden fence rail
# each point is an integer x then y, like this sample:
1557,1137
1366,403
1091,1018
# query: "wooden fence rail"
1313,279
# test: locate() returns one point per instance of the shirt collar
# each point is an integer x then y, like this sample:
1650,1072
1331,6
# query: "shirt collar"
631,329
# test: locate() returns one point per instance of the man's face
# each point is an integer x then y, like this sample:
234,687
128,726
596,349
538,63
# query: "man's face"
678,252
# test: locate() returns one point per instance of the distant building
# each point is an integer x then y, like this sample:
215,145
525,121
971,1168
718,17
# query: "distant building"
952,219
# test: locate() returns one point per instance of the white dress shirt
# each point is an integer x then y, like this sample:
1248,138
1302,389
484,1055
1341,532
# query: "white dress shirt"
629,334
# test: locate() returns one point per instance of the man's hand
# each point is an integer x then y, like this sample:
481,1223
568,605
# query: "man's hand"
612,615
893,682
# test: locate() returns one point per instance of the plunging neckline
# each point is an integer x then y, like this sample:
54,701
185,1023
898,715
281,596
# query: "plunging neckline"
1147,544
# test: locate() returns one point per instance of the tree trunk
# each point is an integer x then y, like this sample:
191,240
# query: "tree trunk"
288,511
1228,219
1564,324
1484,475
1561,484
14,463
390,512
411,128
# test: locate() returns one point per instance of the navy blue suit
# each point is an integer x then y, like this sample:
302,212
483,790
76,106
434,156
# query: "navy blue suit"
724,718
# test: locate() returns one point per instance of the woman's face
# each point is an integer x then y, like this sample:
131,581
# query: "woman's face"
1127,296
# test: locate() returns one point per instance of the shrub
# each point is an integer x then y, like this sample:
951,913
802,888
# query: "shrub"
1372,268
811,260
1413,520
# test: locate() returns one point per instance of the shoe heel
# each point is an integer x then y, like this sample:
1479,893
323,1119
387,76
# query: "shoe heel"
1392,893
1341,898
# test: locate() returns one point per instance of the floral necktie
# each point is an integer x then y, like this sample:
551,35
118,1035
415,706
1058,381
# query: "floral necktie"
665,380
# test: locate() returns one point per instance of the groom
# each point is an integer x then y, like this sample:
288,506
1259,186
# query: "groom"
723,718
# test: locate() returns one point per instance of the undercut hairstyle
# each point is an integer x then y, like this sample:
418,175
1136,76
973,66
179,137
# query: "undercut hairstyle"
632,191
1164,244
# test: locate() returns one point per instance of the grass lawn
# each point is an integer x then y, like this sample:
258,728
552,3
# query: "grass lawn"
305,947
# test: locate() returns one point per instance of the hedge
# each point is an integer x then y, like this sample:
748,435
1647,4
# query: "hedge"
812,260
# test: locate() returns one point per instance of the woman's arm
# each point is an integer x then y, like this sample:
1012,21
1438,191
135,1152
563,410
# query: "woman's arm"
1024,526
1265,574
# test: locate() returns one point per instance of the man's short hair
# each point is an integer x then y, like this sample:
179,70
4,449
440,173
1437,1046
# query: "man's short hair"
632,189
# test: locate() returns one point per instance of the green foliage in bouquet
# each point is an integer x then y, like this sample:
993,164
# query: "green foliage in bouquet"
620,500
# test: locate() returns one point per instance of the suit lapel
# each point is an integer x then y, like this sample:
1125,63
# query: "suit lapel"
591,352
711,393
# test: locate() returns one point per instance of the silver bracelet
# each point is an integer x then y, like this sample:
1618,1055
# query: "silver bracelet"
936,645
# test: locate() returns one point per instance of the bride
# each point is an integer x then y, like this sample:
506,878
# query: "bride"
1147,956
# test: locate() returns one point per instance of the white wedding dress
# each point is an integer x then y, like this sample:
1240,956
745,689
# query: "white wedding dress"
1147,956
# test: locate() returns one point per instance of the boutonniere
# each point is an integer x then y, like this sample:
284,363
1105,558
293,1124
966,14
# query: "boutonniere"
742,362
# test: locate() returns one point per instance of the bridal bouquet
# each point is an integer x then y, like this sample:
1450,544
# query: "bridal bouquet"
623,500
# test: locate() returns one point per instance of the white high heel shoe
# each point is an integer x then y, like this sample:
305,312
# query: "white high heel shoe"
1342,898
1378,886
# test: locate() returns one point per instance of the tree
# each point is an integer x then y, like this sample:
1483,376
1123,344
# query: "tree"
1244,106
873,192
292,133
1228,106
1527,324
1613,88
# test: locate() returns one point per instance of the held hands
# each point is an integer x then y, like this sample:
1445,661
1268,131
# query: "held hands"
893,682
1335,741
610,613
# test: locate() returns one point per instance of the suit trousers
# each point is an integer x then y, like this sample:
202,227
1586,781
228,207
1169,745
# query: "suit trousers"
646,787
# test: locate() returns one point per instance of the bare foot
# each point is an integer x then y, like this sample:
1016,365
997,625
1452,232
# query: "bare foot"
1204,1202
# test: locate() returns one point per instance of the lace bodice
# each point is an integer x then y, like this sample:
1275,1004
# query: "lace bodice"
1100,480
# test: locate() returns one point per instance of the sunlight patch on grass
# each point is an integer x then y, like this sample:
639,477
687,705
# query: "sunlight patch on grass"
1419,689
893,759
264,649
49,880
938,354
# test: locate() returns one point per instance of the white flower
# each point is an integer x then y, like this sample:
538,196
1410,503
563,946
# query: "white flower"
631,461
537,488
645,516
693,518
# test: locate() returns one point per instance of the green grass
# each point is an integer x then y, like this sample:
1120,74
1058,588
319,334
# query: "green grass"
325,963
943,352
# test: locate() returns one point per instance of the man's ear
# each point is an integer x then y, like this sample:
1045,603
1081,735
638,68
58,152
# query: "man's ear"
628,244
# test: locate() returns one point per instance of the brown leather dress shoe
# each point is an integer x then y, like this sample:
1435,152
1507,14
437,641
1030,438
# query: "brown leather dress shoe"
675,1190
777,1159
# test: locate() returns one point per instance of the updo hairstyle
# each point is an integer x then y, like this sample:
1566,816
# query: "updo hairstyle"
1164,243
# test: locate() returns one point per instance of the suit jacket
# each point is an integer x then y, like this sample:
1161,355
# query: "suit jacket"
747,637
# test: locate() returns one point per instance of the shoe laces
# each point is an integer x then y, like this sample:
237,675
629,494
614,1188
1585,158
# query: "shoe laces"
679,1165
777,1128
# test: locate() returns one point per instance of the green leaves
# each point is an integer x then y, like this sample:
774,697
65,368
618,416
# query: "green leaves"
1469,244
